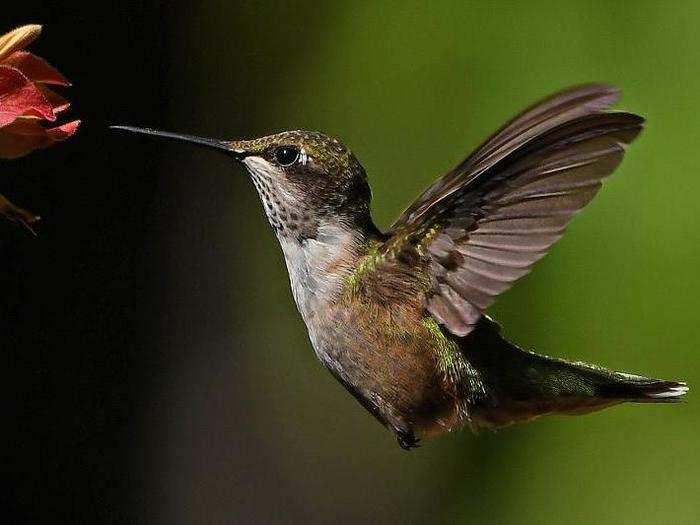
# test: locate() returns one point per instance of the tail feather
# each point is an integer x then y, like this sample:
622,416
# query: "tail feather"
641,389
522,385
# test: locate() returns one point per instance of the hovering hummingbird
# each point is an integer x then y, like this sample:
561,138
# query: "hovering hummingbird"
398,316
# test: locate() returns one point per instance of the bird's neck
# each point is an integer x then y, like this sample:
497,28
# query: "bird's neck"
319,266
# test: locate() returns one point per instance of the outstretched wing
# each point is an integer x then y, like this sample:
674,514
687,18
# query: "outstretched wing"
485,223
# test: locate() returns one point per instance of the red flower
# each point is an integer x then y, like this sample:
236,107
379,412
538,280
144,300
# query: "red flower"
26,102
25,98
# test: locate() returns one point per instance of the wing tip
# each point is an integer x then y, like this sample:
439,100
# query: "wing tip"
607,93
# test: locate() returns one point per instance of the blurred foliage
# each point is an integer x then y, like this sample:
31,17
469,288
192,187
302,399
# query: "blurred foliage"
411,88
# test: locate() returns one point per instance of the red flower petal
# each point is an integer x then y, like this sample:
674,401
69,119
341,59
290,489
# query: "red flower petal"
20,97
35,68
25,135
63,131
58,103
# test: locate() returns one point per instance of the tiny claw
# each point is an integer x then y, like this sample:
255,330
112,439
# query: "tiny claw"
407,440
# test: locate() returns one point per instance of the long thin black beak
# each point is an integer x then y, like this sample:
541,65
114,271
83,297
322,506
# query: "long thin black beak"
220,145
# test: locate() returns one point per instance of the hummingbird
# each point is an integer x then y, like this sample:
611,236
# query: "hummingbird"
399,316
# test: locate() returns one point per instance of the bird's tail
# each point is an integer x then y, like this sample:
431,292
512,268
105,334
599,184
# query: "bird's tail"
639,389
522,385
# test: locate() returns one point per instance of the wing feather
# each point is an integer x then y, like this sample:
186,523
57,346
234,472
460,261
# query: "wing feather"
531,123
490,219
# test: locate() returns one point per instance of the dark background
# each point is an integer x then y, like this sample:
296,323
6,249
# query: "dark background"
155,368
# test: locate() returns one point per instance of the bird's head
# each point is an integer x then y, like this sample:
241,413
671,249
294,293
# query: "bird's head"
304,178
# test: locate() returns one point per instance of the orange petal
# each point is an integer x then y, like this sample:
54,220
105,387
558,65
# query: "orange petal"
35,68
19,96
18,39
25,135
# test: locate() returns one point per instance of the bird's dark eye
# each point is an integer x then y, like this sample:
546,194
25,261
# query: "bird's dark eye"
286,155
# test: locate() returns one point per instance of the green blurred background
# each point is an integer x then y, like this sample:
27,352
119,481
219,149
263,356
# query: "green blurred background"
412,87
238,423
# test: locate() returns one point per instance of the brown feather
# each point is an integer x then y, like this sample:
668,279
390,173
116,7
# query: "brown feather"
533,122
504,206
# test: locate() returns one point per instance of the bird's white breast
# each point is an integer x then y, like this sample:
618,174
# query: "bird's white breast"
315,265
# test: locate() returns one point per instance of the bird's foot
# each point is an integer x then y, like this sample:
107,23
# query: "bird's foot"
407,439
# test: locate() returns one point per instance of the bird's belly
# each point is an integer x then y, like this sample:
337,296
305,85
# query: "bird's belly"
392,372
